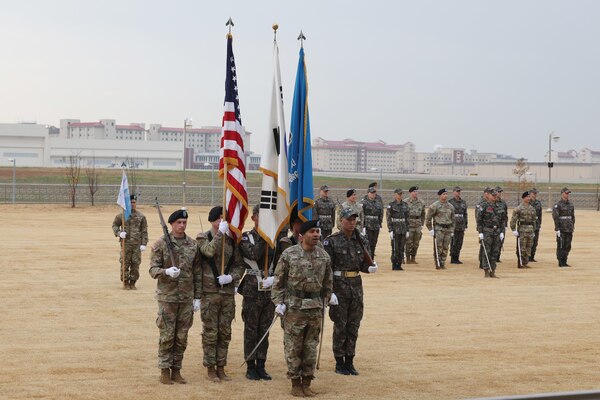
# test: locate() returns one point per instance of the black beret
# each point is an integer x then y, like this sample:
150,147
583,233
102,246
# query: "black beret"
398,191
256,209
308,225
525,194
178,215
133,197
350,192
372,184
215,213
442,191
412,189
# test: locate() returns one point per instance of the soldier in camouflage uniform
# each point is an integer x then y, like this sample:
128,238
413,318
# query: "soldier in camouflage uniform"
461,222
302,287
373,211
347,250
377,196
538,211
440,223
485,197
397,222
178,294
357,207
563,214
257,307
490,225
217,292
324,211
504,223
523,224
416,219
135,236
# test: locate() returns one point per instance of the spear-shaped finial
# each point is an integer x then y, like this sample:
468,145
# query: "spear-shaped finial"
301,38
275,27
229,23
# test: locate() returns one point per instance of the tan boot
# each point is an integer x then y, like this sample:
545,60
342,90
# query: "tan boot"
297,388
413,260
308,392
165,376
212,374
221,374
176,376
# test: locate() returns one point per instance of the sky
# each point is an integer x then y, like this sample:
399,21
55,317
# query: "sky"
493,76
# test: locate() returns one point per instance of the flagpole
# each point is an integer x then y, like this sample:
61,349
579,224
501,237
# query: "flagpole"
123,248
224,213
266,262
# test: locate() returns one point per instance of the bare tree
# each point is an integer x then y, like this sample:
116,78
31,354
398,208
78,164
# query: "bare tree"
72,174
92,179
520,169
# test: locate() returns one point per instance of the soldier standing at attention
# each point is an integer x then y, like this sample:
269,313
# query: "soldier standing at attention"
397,222
217,291
178,294
461,223
135,237
347,250
377,196
257,307
485,197
324,211
538,211
302,288
523,224
373,211
440,223
416,219
357,207
500,202
563,214
491,231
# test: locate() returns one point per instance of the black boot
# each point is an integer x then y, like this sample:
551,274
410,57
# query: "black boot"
350,365
453,260
251,372
340,366
260,370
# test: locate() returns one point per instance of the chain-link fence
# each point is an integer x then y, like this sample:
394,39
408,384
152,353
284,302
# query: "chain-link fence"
207,195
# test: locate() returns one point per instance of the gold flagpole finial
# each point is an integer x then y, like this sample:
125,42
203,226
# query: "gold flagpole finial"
301,38
229,23
275,27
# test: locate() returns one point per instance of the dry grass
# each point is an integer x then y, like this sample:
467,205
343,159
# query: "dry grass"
70,332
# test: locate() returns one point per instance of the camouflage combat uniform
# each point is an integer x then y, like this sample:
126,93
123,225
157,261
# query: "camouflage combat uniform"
217,308
136,227
440,217
461,223
358,209
303,281
490,222
257,308
563,214
397,222
373,214
478,208
324,210
347,261
538,211
175,297
416,219
524,220
504,223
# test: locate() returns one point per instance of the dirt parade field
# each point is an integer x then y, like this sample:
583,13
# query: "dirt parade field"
69,330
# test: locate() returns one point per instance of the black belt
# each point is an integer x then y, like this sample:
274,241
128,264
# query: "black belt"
304,295
444,225
524,224
414,217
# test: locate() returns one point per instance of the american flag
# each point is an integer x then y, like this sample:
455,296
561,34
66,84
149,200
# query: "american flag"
232,157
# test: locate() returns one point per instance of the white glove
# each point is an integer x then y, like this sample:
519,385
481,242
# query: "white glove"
452,234
173,272
225,279
516,233
373,268
142,248
280,309
557,233
196,305
223,227
364,231
268,282
481,236
501,235
392,235
432,233
333,301
407,234
122,234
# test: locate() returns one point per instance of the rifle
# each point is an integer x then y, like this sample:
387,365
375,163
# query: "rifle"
486,254
321,339
519,250
393,245
170,244
366,256
437,256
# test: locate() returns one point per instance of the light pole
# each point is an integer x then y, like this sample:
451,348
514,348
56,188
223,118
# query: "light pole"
212,180
14,191
551,137
187,123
